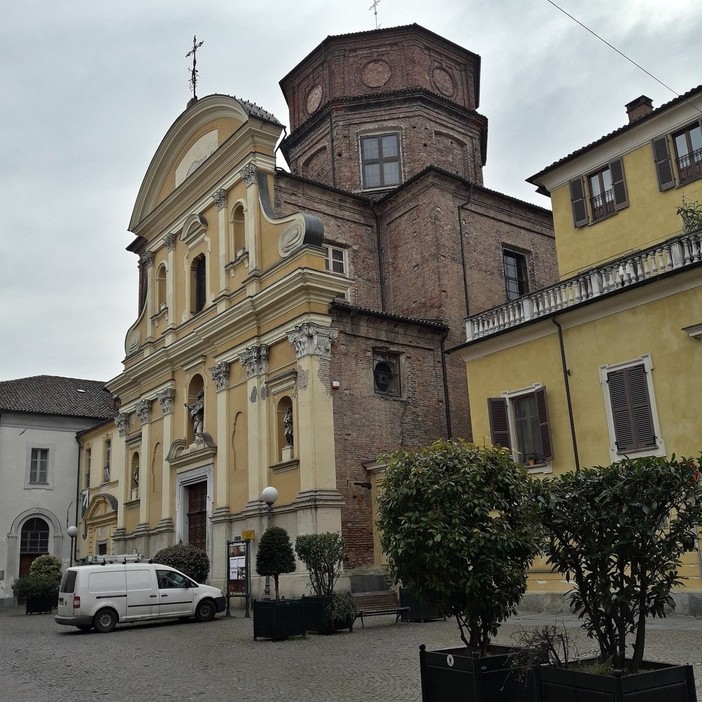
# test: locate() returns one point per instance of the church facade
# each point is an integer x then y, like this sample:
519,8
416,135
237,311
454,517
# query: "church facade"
292,324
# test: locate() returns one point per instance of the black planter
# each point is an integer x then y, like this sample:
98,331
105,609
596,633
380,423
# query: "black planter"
454,675
41,604
317,617
278,619
420,610
659,682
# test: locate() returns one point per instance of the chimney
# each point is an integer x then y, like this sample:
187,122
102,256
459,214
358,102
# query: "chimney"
636,109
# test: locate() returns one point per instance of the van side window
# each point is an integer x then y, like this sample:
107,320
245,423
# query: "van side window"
167,579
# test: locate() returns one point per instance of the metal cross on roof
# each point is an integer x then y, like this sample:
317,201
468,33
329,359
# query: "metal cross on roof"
193,70
374,7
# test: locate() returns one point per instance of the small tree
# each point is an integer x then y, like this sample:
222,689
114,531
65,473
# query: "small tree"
323,556
457,524
275,554
619,533
43,579
186,558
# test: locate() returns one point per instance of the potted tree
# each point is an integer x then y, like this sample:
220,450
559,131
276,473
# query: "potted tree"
457,522
618,533
40,587
326,611
276,619
186,558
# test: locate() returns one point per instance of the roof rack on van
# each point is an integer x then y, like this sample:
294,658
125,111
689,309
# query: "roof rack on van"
115,558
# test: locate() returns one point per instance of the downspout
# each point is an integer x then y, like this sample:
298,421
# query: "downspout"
444,375
463,248
566,383
381,266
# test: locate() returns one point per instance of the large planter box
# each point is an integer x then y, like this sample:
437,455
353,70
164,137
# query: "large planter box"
278,619
454,675
658,683
420,610
41,604
316,619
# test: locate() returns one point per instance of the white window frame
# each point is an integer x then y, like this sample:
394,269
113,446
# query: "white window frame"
48,483
616,455
511,396
329,250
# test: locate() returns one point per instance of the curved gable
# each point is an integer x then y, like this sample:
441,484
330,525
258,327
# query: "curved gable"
192,139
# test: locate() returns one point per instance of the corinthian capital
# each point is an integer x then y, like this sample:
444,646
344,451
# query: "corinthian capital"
310,339
220,375
255,360
143,410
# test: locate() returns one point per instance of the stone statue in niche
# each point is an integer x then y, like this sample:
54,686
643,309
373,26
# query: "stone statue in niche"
197,412
288,426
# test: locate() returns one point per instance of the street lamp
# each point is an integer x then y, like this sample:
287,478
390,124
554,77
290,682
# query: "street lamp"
72,532
269,495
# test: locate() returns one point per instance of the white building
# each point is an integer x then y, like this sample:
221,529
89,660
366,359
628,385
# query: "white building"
39,418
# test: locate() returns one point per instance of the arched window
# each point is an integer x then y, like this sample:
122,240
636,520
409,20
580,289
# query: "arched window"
238,231
161,288
198,292
196,408
34,541
135,476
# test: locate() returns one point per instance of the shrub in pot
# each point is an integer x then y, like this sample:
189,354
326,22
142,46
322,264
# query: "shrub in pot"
186,558
39,588
457,522
276,619
618,534
323,556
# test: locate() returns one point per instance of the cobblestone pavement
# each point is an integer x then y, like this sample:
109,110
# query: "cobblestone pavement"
42,661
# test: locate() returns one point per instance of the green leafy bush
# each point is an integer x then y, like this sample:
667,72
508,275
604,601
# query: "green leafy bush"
323,556
43,579
342,611
619,532
186,558
458,525
275,554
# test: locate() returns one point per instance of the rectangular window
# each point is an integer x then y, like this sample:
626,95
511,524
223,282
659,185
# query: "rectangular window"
88,461
519,421
335,260
599,195
39,468
380,159
688,153
386,373
516,280
630,407
684,160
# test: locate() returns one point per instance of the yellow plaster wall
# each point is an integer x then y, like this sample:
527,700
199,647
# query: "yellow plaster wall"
650,217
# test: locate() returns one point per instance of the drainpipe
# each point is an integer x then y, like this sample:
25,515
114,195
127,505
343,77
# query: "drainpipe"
566,383
463,249
444,375
381,266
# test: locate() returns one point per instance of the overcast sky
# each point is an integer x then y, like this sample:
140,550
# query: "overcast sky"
88,89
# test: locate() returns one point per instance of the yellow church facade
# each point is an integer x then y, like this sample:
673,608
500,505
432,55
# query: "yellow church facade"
604,364
228,360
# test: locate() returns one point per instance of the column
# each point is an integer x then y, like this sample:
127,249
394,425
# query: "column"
166,398
248,175
220,375
220,199
143,411
255,361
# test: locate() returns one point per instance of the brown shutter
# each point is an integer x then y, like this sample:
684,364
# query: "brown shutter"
631,409
664,169
618,184
499,424
544,428
577,198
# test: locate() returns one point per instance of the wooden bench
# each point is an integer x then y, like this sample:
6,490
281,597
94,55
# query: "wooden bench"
370,604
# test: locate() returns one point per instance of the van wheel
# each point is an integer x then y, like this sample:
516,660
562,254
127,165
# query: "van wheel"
105,621
205,611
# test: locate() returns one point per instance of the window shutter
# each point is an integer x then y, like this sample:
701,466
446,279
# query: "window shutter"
499,424
577,198
544,428
664,169
640,407
618,184
631,409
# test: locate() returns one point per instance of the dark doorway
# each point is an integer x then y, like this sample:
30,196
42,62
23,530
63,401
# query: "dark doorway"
34,542
197,515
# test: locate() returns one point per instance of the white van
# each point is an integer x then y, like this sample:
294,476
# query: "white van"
100,596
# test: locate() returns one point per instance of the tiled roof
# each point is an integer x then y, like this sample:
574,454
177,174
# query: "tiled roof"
49,394
341,304
680,99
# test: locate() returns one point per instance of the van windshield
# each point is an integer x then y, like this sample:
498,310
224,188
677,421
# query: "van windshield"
68,584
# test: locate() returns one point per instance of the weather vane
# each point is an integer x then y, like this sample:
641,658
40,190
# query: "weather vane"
374,7
193,70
